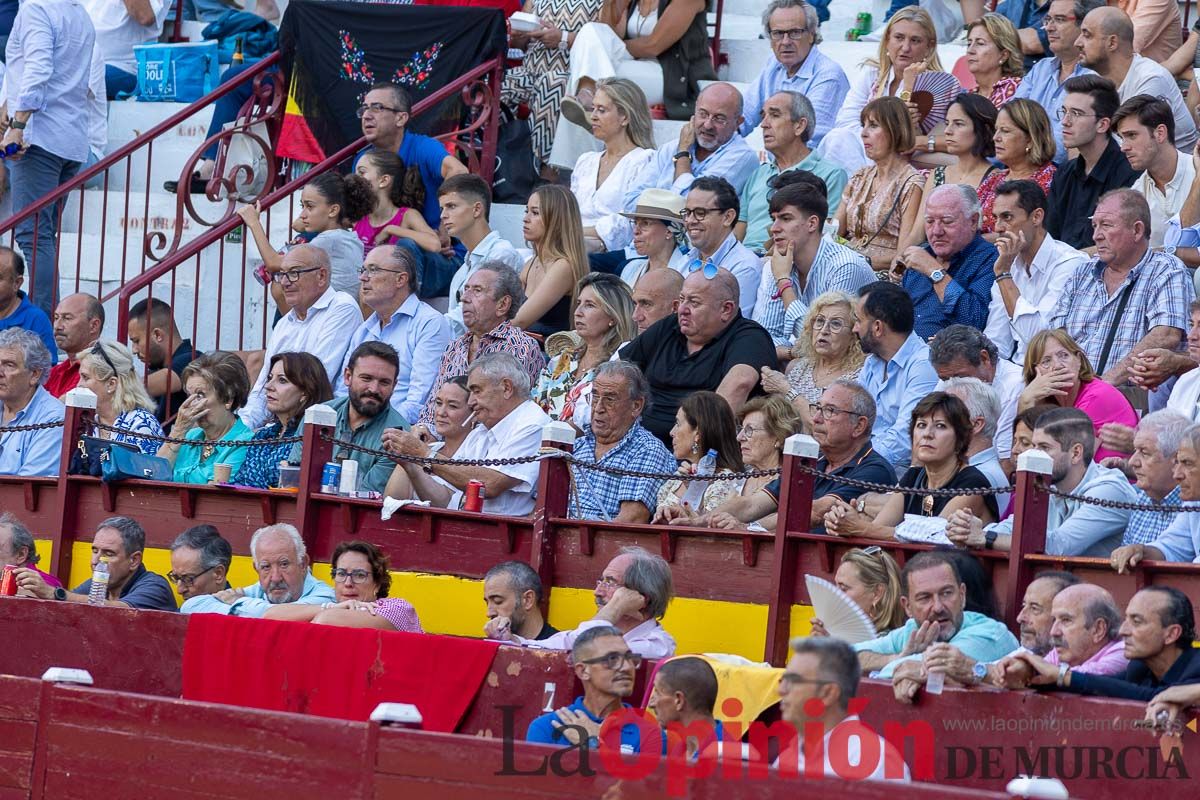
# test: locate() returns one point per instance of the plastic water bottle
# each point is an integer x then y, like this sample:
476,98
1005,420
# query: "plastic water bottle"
98,594
695,490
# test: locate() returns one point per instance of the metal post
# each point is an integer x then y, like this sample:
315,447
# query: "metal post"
81,409
316,451
1029,527
795,513
553,498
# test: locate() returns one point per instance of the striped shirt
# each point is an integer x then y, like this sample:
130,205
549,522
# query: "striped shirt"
1146,526
1162,291
835,268
601,493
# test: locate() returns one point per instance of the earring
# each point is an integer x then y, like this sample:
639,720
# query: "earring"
695,447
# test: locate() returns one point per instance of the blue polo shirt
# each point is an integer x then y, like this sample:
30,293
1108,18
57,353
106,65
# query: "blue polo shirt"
31,453
543,731
981,638
34,320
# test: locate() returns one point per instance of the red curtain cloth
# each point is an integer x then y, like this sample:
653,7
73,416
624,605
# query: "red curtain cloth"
329,671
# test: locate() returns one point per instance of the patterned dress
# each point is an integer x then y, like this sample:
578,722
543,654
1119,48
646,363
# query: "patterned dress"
1003,91
133,422
987,192
875,209
563,396
800,377
260,470
715,494
541,81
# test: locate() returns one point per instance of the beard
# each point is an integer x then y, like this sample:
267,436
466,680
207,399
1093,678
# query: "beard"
367,404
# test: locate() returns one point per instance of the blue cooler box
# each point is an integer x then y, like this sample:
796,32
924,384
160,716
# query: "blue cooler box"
176,73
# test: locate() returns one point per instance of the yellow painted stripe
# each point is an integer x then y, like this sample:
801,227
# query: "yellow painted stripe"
451,605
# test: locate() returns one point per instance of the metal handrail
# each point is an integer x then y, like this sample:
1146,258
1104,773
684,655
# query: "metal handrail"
128,149
225,226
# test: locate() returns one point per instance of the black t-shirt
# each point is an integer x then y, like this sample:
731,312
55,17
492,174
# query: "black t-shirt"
183,355
1075,192
673,373
867,465
546,632
965,478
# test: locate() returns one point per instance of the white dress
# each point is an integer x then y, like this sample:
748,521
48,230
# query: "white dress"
600,206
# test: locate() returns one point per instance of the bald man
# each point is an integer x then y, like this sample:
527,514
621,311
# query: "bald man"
78,322
319,321
655,297
706,345
1105,41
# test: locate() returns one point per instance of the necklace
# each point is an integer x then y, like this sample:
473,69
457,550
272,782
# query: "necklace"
209,448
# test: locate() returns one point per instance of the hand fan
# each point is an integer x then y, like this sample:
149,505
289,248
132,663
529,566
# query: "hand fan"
841,615
929,87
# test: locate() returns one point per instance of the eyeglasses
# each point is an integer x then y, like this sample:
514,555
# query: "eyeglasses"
375,108
184,581
1057,22
614,660
698,214
703,116
1072,113
710,269
610,582
748,431
98,350
873,550
816,409
292,275
792,33
373,271
831,324
1061,357
356,576
792,679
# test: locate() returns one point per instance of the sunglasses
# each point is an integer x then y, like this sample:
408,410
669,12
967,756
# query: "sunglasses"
710,269
97,350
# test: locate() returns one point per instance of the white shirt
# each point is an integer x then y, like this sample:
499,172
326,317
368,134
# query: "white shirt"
1009,382
850,755
1041,284
1165,205
988,462
324,332
117,32
518,434
1150,77
600,206
1185,397
636,266
490,248
648,640
97,106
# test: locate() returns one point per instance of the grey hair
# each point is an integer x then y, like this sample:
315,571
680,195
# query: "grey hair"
133,536
33,351
980,399
811,20
838,663
502,366
590,635
801,109
967,197
1168,427
508,284
1192,436
284,528
214,550
20,536
407,262
1103,607
639,387
521,577
650,576
961,341
861,402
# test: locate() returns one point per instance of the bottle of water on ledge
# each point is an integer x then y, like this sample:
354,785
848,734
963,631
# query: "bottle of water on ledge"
695,489
98,594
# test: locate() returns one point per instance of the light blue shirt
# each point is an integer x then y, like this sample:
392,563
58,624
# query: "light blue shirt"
1074,528
1041,85
738,259
1181,541
820,79
755,196
897,386
988,462
33,452
255,602
49,57
733,161
420,335
834,268
979,637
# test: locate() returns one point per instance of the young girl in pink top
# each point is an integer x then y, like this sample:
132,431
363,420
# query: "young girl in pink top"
398,190
1058,371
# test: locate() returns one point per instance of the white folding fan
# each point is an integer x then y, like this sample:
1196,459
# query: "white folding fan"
841,615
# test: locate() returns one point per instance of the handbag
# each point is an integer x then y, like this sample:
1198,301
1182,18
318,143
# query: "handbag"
89,455
118,464
176,73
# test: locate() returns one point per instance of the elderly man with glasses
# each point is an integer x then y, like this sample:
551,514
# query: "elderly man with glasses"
200,559
632,595
318,322
24,365
605,666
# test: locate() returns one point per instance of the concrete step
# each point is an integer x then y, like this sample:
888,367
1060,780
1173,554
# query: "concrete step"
128,119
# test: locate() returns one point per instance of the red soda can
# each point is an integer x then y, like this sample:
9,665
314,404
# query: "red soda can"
8,583
473,499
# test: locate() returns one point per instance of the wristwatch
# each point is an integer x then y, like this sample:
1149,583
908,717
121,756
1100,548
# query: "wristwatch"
937,275
979,671
989,539
17,125
60,593
681,154
931,143
905,95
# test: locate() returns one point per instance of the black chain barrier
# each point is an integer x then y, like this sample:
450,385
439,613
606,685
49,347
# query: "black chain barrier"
1120,505
913,490
202,442
36,426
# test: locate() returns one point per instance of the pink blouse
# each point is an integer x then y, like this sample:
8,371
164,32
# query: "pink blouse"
987,192
400,613
1104,404
367,232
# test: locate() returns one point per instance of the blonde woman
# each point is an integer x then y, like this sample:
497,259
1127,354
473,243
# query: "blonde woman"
1025,145
871,578
121,399
907,62
994,58
825,351
551,278
620,119
603,322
